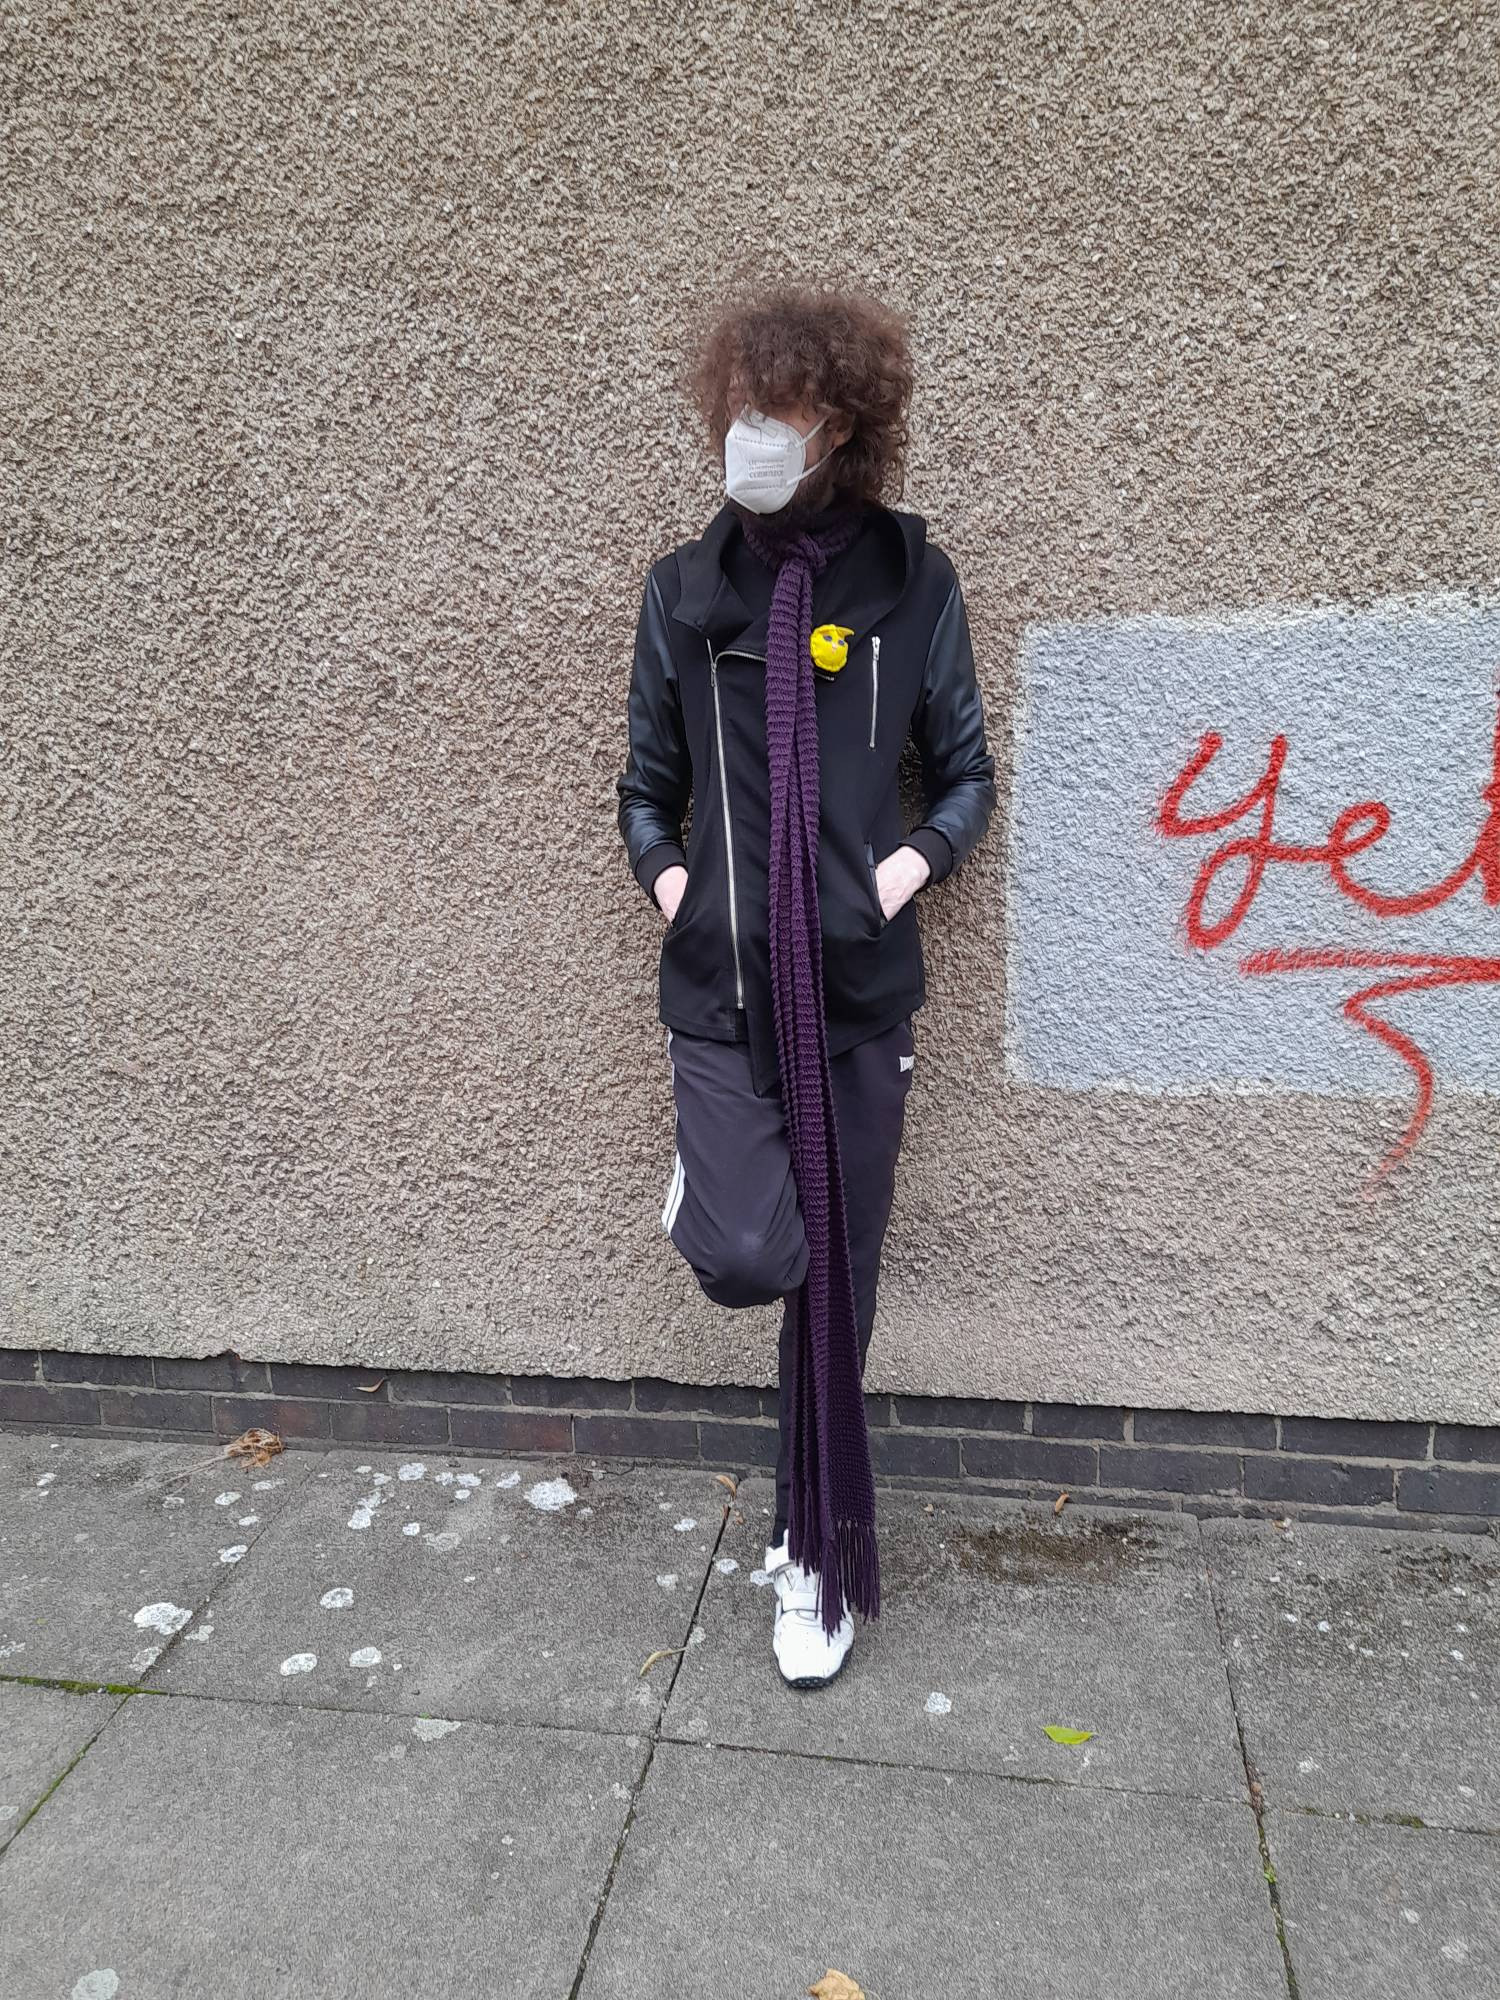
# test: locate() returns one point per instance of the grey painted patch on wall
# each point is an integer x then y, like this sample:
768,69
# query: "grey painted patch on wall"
1393,704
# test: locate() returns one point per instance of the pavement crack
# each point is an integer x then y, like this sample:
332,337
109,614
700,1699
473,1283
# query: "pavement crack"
72,1765
652,1740
1252,1785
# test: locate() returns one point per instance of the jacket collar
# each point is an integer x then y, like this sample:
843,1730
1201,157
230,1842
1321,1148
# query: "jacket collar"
859,592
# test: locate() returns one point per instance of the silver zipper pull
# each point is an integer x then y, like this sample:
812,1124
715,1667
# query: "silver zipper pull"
874,684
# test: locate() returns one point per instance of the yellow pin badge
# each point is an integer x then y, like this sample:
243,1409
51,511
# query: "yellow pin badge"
830,647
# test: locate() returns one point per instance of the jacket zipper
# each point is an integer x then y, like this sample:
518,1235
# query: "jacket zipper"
734,908
874,683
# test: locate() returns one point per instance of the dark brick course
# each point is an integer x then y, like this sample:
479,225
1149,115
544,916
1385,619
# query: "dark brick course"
959,1413
1466,1442
1032,1458
304,1378
214,1372
738,1444
1219,1427
1077,1420
478,1429
912,1453
47,1403
1328,1480
390,1423
1354,1437
569,1392
1441,1489
636,1437
718,1399
1248,1464
1166,1471
102,1371
156,1410
448,1385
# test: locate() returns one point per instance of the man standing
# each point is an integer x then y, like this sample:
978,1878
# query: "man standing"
782,662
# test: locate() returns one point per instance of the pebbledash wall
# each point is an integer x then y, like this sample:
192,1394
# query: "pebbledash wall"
341,424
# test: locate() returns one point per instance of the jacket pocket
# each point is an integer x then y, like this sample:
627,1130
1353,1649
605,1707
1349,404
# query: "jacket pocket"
881,919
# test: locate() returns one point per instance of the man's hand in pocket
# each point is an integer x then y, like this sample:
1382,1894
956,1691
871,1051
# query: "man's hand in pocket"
668,889
898,878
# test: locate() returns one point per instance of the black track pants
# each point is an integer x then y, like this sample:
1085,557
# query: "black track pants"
732,1205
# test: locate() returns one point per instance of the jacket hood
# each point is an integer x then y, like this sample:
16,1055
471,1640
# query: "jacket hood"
864,587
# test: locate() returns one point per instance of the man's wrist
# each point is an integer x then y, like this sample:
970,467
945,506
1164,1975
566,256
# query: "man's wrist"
654,863
934,848
920,866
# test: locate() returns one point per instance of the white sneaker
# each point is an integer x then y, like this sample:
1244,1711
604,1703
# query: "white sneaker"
805,1653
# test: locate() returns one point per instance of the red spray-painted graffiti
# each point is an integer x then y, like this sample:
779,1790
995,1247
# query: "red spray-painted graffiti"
1354,832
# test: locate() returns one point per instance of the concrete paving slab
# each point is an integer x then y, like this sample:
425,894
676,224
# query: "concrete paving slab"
752,1873
1366,1666
1374,1910
107,1547
997,1619
41,1731
244,1851
464,1587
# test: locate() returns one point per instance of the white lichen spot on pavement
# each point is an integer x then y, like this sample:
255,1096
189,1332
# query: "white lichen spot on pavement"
163,1618
429,1729
550,1496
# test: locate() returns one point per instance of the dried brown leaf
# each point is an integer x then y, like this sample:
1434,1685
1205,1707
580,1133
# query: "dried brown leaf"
661,1653
256,1447
836,1986
369,1388
1059,1503
725,1480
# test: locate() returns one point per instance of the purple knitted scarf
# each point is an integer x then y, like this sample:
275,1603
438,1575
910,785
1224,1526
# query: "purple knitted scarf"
831,1514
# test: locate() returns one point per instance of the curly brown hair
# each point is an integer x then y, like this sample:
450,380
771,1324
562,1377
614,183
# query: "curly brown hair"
835,350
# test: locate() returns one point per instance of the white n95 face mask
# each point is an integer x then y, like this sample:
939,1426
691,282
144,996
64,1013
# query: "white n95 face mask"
765,460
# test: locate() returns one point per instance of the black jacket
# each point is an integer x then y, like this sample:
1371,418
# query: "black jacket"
697,726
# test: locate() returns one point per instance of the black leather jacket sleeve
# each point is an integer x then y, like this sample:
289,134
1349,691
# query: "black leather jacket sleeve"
656,783
958,772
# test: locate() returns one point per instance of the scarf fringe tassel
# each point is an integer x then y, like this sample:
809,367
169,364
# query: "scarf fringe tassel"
848,1569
